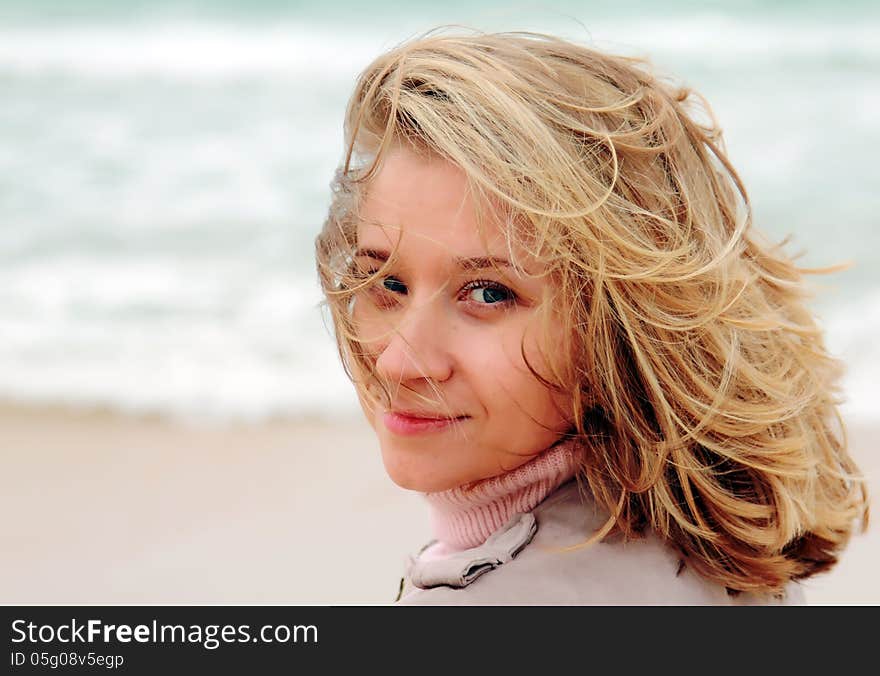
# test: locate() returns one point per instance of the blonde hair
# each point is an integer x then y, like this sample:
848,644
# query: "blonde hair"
700,384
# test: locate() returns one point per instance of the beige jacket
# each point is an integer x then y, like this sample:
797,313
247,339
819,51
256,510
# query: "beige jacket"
517,565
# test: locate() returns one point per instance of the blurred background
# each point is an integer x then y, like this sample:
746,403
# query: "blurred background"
164,169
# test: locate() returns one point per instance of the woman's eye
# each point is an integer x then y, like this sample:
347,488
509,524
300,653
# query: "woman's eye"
394,285
488,293
385,292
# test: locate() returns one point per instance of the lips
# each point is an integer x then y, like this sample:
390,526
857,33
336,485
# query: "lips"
407,423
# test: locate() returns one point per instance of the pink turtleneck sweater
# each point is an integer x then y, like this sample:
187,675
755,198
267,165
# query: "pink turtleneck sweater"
466,516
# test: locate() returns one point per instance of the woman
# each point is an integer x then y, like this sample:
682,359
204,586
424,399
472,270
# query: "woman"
565,331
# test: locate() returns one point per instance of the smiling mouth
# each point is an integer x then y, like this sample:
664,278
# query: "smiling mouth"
406,424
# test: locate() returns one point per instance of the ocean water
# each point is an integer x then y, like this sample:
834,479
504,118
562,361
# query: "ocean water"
164,168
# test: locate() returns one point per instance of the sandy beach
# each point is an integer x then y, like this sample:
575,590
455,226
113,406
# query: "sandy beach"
103,508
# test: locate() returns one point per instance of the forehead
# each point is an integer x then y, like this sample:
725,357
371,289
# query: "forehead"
428,201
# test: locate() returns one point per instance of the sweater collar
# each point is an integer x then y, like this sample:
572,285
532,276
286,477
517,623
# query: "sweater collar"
467,515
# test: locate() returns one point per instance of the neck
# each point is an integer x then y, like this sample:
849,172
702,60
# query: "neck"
466,516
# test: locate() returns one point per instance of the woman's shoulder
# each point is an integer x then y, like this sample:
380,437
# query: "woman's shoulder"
533,560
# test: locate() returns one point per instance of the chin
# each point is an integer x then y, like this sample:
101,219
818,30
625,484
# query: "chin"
408,483
414,478
409,479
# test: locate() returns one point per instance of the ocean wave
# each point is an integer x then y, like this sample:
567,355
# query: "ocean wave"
216,49
185,51
851,335
216,342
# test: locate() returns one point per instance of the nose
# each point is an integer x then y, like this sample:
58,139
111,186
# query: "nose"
417,348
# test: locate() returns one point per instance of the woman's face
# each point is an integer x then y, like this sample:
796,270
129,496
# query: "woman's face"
446,330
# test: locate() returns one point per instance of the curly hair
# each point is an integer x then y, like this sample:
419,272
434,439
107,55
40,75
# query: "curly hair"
700,384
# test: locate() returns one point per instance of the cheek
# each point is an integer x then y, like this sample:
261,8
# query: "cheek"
370,328
526,358
505,378
369,345
525,352
362,319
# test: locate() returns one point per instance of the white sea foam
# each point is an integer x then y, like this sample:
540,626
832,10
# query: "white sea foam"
151,336
315,52
183,50
851,333
726,37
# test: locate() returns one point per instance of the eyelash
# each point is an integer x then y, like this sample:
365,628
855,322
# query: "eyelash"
467,288
489,284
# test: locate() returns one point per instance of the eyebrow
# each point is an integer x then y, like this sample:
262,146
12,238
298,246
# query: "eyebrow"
465,263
